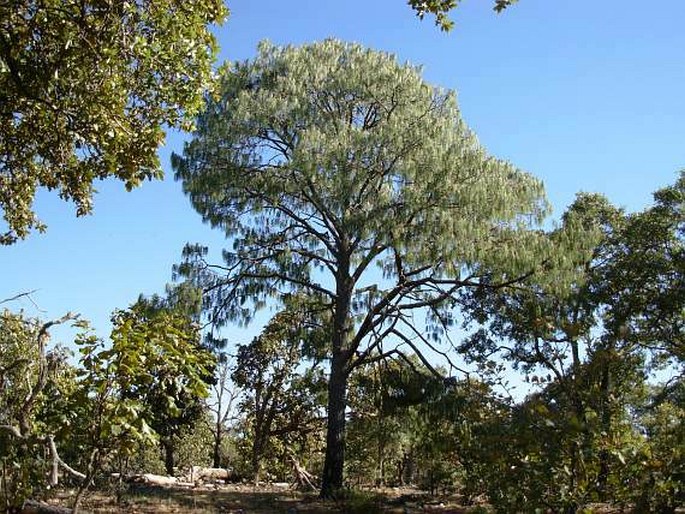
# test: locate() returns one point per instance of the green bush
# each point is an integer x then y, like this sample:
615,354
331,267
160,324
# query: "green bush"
355,501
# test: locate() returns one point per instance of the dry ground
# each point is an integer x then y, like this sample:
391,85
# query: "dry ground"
248,499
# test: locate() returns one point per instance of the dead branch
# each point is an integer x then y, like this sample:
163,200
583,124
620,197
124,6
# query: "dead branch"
57,460
48,440
302,478
17,296
36,507
12,430
42,338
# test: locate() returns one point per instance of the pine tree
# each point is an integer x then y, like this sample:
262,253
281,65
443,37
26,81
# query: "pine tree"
337,173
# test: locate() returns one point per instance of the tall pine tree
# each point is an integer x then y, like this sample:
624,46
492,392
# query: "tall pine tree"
338,173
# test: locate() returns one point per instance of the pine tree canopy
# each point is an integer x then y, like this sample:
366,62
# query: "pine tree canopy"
333,157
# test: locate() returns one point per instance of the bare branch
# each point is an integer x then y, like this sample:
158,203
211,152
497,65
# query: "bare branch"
20,295
15,431
56,458
432,347
48,440
418,353
363,357
374,252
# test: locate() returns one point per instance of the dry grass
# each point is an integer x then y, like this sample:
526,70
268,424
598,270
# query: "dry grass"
248,499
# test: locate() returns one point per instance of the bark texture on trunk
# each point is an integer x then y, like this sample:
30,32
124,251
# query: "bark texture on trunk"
332,479
605,408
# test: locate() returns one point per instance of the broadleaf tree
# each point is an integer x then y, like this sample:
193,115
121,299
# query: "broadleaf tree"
597,342
162,319
87,89
281,395
648,270
33,380
149,382
339,175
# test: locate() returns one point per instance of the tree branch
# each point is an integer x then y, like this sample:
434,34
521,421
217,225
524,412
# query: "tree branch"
42,338
17,296
57,459
418,353
15,431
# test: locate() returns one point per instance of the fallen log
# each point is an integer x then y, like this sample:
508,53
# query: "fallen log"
36,507
202,474
152,479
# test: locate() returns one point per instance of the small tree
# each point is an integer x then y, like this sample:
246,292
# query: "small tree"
323,162
588,348
281,391
33,380
174,369
374,433
221,405
657,472
183,303
96,412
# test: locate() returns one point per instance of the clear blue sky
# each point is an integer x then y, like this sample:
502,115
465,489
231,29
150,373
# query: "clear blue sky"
585,94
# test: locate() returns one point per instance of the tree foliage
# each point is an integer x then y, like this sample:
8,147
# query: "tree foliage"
591,350
408,427
87,89
441,8
647,277
56,418
34,380
282,394
154,377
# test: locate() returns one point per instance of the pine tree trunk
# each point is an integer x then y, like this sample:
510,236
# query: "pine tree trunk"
381,437
332,480
579,449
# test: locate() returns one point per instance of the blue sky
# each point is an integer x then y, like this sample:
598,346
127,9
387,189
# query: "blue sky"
587,95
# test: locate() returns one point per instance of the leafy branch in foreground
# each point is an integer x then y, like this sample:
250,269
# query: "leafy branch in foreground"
441,8
104,409
87,90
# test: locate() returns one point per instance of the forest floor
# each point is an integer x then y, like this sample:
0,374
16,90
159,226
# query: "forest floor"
248,499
